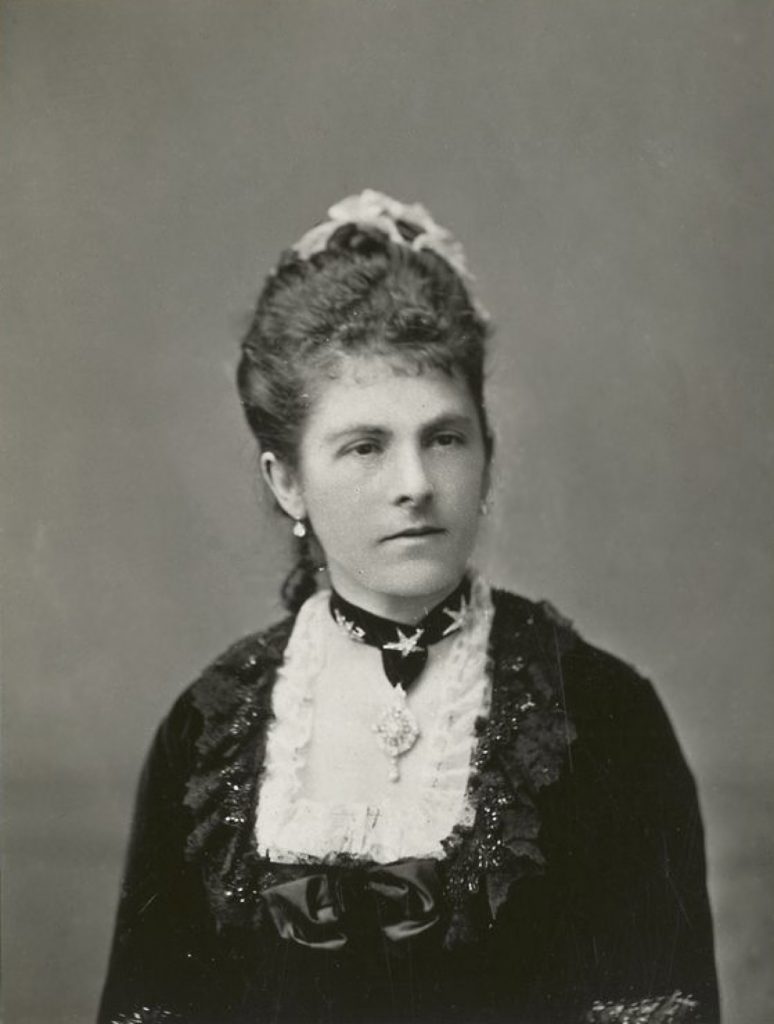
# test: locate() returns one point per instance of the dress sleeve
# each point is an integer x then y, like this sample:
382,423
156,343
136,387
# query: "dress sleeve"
640,832
163,932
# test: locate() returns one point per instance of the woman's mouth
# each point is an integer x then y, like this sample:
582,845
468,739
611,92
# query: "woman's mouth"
416,532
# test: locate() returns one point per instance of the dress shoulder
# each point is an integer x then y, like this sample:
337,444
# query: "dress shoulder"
246,660
209,706
609,698
598,676
246,652
615,708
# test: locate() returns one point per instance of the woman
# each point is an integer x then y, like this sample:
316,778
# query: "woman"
416,798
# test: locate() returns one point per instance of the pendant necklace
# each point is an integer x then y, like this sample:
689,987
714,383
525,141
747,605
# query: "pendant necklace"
404,656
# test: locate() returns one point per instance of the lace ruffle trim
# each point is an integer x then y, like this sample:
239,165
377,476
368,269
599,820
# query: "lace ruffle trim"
234,700
522,747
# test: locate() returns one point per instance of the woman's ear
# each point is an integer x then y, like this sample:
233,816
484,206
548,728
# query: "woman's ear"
283,482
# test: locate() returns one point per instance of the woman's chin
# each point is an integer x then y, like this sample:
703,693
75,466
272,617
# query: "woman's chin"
416,578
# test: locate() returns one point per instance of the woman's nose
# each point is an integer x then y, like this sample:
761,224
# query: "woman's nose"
412,483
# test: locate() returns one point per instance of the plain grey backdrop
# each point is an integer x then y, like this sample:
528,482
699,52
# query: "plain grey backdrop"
608,165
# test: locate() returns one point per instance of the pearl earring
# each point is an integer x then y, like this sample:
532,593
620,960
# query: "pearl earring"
299,529
485,507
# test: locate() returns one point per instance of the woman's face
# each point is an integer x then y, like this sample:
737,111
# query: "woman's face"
388,450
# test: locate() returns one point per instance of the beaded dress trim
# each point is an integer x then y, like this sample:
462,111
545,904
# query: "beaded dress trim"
672,1009
291,827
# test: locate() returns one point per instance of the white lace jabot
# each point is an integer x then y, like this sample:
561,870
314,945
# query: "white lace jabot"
326,789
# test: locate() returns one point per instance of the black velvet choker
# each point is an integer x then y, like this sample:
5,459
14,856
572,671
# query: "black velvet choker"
403,647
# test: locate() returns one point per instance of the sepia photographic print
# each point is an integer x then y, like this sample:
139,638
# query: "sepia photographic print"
388,487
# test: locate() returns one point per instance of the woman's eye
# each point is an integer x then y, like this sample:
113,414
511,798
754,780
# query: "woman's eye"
363,448
448,440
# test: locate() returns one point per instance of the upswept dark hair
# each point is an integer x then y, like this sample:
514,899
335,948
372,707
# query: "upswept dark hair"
364,294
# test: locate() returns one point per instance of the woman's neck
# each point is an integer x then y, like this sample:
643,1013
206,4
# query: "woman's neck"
409,608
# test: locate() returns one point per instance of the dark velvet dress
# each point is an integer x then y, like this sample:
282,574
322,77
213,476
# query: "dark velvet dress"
578,895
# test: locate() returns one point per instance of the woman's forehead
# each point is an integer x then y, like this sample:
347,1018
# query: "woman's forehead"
386,391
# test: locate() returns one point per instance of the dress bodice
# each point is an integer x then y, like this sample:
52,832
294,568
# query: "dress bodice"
574,891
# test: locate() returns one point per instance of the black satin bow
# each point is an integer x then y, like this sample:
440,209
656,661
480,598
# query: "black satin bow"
336,905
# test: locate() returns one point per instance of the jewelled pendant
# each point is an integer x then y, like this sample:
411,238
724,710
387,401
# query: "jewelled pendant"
396,730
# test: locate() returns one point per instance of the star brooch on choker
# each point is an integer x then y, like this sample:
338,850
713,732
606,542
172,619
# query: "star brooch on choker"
406,645
349,628
459,617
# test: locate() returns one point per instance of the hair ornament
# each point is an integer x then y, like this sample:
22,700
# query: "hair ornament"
375,209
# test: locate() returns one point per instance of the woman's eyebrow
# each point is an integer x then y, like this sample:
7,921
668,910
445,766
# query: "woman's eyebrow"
447,419
356,428
444,419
